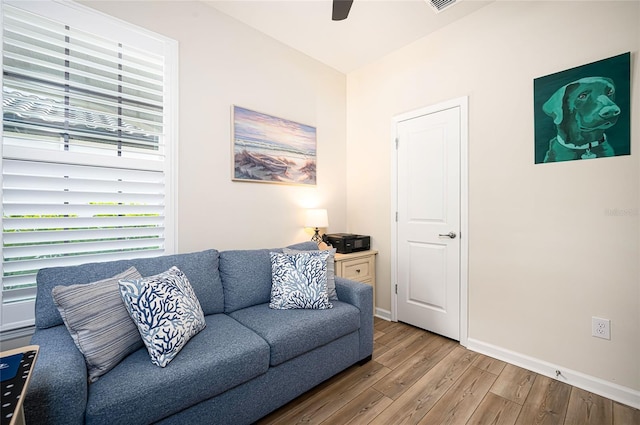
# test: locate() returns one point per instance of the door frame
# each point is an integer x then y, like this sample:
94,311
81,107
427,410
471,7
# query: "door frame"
463,104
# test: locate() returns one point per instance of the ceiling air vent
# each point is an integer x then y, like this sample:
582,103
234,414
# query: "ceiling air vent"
440,5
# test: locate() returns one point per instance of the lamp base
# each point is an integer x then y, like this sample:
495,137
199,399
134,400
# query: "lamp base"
316,237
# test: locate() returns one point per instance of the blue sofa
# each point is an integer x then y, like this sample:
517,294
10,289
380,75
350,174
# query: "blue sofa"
248,360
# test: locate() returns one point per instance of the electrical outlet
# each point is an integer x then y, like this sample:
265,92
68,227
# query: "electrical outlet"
601,328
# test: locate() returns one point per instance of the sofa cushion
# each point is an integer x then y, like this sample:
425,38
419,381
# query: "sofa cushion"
290,333
223,355
299,280
99,322
331,269
201,268
246,278
166,312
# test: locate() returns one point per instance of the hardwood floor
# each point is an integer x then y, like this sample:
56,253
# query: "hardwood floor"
417,377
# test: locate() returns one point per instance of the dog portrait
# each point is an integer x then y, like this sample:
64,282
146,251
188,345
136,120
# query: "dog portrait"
583,113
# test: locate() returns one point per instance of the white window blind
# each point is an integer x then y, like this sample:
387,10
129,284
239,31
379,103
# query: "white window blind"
86,146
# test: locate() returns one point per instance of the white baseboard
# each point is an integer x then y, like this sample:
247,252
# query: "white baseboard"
616,392
383,314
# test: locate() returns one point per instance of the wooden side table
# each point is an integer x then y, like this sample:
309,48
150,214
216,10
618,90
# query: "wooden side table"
358,266
15,372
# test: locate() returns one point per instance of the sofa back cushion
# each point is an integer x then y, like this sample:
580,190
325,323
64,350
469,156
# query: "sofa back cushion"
201,268
246,276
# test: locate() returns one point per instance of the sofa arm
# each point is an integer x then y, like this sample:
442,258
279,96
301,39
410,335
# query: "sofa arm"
57,392
361,296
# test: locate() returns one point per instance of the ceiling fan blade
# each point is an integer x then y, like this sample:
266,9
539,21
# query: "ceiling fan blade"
341,9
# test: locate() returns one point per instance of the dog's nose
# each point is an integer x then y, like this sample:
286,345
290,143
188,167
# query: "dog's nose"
609,109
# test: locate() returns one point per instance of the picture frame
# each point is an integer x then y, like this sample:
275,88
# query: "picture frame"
584,112
269,149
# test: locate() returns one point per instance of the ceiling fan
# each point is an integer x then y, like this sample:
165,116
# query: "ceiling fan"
341,9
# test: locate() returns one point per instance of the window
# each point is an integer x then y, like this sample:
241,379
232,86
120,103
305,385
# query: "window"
88,142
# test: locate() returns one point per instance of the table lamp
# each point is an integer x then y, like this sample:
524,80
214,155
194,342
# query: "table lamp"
316,218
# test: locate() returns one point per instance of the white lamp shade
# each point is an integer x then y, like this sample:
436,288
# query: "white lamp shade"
316,217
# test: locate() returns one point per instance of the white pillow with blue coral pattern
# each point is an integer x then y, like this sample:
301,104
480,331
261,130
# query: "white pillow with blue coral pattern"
166,311
299,281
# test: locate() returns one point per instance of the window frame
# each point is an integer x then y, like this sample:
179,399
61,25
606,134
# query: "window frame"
21,315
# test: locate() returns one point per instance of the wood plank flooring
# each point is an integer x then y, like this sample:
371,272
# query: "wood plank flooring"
417,377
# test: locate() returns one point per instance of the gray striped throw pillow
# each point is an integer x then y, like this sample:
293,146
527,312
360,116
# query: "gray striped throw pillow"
99,322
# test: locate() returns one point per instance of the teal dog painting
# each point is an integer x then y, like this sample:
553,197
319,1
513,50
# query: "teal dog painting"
583,113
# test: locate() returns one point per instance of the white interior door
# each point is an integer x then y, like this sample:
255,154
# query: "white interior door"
429,221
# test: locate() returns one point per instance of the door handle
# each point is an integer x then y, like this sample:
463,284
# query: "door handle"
451,235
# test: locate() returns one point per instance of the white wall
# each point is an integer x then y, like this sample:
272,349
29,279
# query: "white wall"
544,254
222,63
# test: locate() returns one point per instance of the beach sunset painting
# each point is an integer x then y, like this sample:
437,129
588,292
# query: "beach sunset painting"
269,149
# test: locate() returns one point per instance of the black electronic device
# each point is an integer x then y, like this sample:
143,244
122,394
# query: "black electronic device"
345,243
